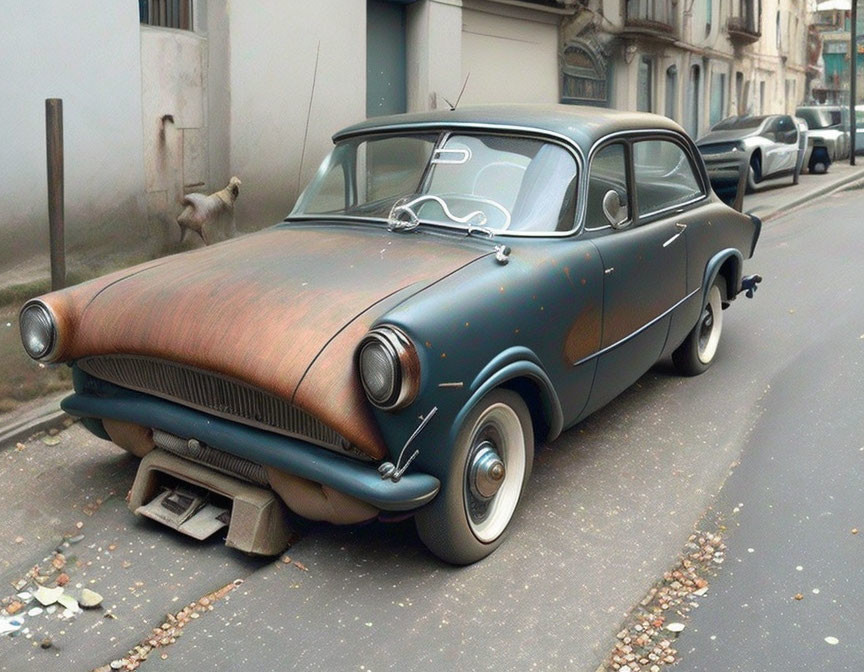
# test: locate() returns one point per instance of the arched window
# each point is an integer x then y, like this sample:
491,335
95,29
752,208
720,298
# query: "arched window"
584,78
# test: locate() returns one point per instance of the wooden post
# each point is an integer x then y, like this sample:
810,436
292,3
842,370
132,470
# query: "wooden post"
56,223
853,67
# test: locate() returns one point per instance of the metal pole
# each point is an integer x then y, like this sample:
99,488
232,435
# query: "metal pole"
56,224
853,66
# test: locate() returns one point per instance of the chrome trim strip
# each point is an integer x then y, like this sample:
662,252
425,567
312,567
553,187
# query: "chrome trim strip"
639,330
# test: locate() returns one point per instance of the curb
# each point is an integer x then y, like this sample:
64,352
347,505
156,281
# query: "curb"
818,193
47,415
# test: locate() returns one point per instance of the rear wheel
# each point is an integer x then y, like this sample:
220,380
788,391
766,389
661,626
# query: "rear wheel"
490,464
699,349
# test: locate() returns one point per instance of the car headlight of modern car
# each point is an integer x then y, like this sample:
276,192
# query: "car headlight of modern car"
38,330
389,368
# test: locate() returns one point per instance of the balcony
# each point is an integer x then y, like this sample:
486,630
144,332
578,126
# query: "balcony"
649,18
745,28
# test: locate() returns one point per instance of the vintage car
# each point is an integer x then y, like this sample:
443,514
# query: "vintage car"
452,287
829,136
769,145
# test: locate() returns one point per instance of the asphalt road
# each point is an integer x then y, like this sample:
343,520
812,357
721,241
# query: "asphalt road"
609,507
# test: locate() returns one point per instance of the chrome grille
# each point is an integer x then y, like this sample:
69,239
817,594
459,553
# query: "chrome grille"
215,394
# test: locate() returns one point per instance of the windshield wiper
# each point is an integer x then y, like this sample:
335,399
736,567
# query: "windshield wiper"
395,223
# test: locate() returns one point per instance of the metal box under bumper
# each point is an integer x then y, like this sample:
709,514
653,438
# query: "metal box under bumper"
259,521
294,456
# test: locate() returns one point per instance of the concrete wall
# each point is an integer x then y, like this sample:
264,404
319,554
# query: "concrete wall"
174,109
90,59
273,46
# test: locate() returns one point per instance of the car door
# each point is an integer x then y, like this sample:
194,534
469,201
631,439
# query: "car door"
781,154
644,259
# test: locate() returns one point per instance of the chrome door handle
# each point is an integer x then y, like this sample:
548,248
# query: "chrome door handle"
680,226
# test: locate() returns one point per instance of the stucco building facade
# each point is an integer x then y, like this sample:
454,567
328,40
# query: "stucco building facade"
164,97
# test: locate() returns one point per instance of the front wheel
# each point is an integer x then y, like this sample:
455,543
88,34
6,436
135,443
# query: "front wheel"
754,174
698,350
490,464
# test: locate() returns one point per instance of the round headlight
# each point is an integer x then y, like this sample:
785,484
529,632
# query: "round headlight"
38,332
389,368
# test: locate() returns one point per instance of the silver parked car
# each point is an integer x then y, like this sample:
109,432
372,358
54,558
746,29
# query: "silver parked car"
828,133
767,144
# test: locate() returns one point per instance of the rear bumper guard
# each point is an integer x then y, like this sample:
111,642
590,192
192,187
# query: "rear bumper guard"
293,456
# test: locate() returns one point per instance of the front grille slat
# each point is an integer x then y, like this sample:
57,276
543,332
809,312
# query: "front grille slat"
213,393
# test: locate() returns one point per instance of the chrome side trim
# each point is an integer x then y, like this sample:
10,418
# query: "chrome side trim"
639,330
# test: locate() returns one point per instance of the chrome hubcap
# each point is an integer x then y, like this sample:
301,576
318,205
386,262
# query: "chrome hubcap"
494,471
487,472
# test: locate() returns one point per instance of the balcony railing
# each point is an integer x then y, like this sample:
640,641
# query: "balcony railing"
649,16
746,27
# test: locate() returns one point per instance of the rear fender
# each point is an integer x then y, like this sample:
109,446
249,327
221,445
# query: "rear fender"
731,263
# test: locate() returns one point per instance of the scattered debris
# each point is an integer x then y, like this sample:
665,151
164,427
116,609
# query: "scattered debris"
832,640
77,537
168,632
14,607
62,579
854,530
300,565
89,599
19,540
46,596
9,625
286,559
35,611
799,596
46,643
50,440
645,643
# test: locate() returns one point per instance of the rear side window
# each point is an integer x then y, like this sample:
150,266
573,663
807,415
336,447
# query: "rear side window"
664,176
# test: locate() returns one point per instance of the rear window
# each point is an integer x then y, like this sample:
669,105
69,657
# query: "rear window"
664,176
736,123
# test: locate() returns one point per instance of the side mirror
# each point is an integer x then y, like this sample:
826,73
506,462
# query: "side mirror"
612,209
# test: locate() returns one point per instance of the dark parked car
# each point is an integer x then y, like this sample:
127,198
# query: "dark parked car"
450,288
829,135
768,145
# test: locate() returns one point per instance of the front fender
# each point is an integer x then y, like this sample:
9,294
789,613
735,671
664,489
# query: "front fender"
512,364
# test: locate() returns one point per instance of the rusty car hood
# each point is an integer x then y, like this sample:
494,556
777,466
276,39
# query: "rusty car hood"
261,308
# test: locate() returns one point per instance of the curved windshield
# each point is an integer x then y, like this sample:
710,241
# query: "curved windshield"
737,123
815,118
494,183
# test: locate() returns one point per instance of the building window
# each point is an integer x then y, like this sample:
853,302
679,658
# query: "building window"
718,96
709,11
166,13
739,93
645,85
672,91
693,91
583,76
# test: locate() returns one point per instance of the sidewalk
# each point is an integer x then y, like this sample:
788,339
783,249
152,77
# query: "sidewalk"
777,197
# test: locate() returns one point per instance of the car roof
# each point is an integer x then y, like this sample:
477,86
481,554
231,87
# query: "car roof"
582,125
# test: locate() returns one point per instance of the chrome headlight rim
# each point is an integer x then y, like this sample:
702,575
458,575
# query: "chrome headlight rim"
48,353
405,363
